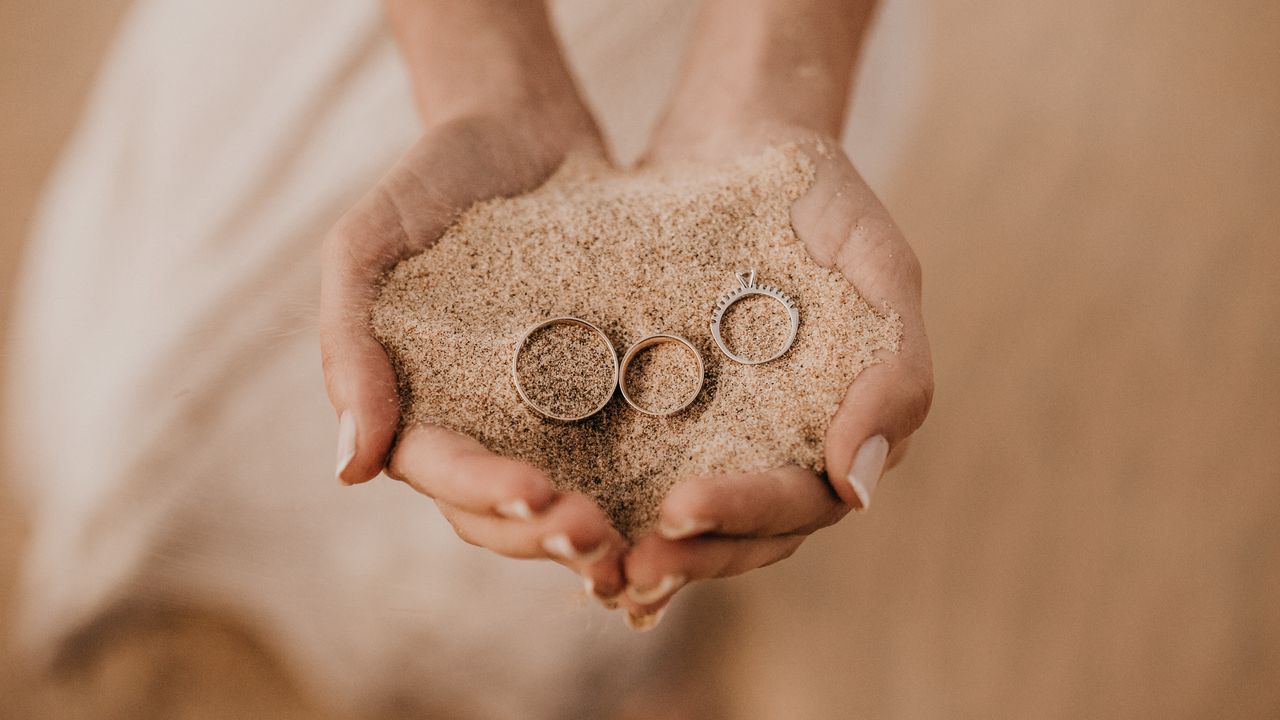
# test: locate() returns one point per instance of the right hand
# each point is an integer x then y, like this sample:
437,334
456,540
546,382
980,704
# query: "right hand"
507,506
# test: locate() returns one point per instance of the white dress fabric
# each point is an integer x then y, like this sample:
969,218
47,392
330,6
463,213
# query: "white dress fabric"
167,416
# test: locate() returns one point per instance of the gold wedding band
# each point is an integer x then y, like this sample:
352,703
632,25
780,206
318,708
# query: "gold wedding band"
515,373
650,342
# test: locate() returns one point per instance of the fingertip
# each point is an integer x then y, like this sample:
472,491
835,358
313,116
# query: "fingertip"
649,559
867,468
657,593
524,490
604,581
363,444
690,508
577,531
844,489
645,620
680,527
883,407
517,509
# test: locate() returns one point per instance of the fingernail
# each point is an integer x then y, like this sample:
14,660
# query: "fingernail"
667,585
515,509
868,465
346,442
682,529
589,586
645,621
560,546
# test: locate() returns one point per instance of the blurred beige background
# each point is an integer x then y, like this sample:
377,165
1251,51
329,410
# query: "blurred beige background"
1087,525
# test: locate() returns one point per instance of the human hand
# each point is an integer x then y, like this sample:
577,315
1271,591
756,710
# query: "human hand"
770,74
499,133
723,525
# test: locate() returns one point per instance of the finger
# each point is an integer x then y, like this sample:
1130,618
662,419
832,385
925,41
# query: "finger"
845,226
456,469
573,531
656,568
578,535
785,500
358,375
885,404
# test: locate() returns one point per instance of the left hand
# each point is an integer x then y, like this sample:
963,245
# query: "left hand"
724,525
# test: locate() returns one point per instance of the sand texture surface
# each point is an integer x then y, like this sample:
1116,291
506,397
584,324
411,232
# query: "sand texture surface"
636,253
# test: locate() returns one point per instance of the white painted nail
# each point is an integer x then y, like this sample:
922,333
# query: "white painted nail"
868,466
515,509
667,585
684,529
560,546
346,442
646,621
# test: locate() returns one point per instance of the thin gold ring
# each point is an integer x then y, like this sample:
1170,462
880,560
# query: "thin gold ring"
649,342
515,360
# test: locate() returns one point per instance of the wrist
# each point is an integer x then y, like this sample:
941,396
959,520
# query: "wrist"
759,64
483,58
512,84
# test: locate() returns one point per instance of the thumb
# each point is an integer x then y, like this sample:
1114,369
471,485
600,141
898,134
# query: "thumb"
885,404
845,224
888,401
358,374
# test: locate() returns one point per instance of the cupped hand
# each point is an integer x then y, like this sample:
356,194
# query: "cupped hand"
718,526
507,506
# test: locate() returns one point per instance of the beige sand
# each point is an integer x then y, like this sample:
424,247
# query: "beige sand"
636,253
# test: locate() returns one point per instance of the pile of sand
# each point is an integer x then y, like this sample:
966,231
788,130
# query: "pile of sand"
636,253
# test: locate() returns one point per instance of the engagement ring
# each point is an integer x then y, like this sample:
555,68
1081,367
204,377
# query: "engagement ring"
748,287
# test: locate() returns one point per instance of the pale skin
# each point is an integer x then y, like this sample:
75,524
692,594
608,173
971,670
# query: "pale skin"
501,112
